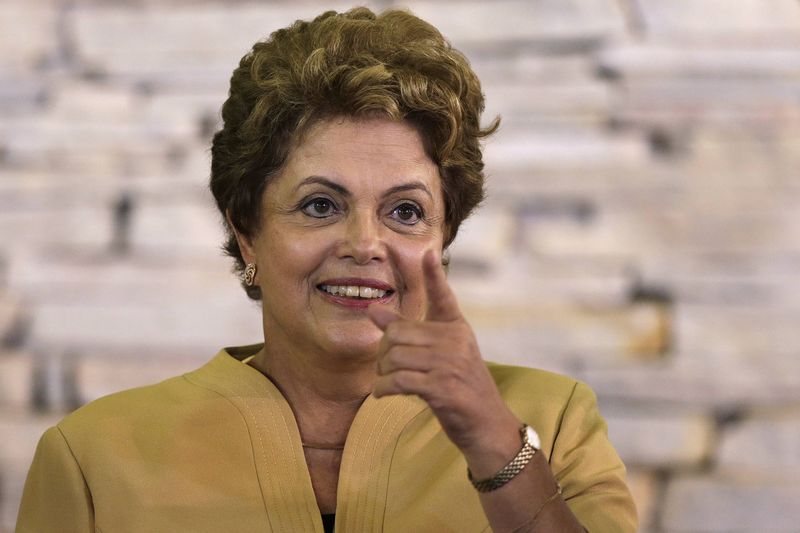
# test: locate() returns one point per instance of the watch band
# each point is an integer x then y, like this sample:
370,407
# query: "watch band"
530,444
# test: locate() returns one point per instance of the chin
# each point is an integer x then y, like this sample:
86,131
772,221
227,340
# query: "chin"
356,344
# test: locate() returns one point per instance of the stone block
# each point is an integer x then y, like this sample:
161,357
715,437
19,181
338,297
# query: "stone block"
676,102
483,238
778,293
521,153
761,155
667,59
726,332
471,23
755,231
731,504
43,192
523,103
592,282
28,35
539,69
16,379
155,225
95,107
194,111
700,382
54,228
661,440
633,182
20,95
742,279
81,101
713,265
195,41
614,231
48,144
744,267
719,18
183,326
106,279
762,443
562,336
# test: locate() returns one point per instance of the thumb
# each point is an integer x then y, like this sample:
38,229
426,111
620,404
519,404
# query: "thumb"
381,316
442,303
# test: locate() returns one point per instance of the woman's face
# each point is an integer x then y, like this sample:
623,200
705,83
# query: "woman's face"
345,224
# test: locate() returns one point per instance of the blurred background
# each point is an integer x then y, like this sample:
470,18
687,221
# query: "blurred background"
642,231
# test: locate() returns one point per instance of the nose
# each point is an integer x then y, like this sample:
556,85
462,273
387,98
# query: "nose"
362,240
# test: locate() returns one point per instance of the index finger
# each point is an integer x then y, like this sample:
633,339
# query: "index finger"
442,303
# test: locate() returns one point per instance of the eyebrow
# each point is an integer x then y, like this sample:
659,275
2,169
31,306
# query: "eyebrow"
345,192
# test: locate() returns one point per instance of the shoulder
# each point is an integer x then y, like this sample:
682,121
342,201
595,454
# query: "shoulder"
148,412
128,403
510,376
150,404
533,384
549,399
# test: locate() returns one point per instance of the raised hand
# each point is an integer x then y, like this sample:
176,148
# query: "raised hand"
438,360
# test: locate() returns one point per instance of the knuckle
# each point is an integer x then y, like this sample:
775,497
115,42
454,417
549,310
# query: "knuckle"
393,358
396,331
400,380
449,388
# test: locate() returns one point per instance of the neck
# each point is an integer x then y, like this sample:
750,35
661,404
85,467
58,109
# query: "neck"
321,378
324,392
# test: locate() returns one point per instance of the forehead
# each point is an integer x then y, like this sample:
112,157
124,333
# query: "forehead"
374,151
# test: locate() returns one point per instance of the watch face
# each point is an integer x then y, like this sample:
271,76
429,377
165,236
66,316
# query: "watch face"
532,437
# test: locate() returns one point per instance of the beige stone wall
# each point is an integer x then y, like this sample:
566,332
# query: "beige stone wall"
642,232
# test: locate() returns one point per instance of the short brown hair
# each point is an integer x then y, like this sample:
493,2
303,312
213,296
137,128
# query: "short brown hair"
347,64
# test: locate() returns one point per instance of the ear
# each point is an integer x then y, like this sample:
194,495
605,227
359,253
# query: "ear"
245,244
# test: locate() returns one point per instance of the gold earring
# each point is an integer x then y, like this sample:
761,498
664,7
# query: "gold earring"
250,274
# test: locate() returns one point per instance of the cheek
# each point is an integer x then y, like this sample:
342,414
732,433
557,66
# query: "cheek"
293,256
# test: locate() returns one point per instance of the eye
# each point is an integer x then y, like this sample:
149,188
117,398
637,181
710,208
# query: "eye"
407,213
319,207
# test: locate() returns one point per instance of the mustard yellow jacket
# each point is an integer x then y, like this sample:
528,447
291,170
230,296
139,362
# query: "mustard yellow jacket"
218,449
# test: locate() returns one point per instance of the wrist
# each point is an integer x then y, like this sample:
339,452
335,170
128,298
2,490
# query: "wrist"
487,454
530,445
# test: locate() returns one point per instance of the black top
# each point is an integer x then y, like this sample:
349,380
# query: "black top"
327,522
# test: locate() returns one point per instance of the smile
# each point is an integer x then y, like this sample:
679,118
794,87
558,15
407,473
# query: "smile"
354,291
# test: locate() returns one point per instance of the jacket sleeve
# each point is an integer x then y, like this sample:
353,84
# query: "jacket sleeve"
56,497
589,470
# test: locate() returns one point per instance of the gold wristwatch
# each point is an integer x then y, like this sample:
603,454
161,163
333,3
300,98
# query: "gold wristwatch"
530,445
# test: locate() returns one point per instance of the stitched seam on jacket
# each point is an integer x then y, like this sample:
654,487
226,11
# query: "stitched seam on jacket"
295,466
391,416
561,416
295,517
361,516
247,427
391,460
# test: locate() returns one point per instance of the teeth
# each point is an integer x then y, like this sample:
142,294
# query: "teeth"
354,291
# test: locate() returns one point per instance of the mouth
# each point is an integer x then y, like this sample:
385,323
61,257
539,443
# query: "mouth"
356,292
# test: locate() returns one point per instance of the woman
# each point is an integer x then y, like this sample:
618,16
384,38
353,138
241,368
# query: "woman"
348,157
